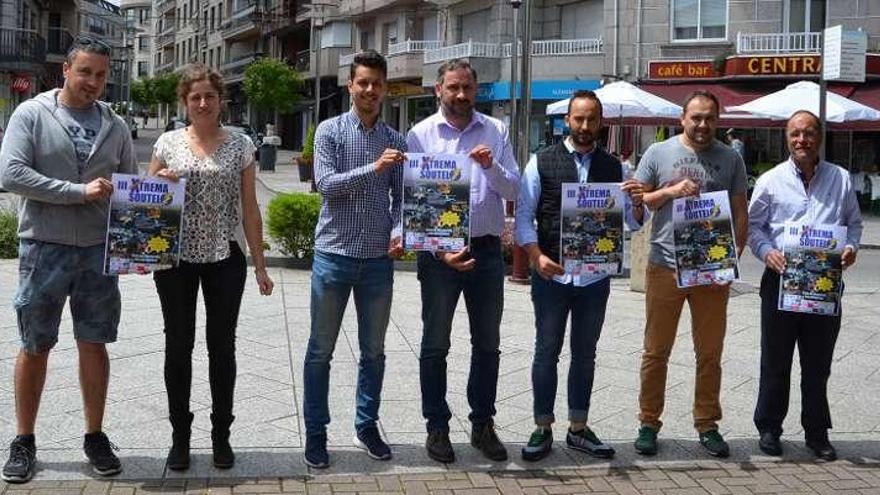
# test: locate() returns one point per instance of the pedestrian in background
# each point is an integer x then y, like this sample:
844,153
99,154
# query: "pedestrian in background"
220,175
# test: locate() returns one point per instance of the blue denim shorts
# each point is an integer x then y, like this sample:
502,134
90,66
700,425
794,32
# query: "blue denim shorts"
49,274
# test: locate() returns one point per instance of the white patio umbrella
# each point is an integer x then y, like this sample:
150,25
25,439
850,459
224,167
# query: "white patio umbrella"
621,100
804,95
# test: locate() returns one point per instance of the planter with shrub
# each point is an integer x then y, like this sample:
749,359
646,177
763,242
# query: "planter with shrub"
290,220
304,162
8,233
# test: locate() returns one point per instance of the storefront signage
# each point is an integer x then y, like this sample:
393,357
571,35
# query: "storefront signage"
541,90
844,55
397,89
682,69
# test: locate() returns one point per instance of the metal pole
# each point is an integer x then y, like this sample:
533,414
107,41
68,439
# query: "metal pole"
514,128
317,72
526,84
823,97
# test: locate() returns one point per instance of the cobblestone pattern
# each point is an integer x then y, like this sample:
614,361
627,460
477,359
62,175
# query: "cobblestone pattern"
709,478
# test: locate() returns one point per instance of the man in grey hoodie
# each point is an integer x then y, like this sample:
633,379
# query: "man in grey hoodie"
58,154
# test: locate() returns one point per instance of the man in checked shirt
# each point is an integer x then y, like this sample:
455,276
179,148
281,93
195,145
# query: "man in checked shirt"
357,170
478,270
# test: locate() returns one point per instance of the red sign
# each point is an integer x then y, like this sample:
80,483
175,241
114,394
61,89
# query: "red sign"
689,69
21,84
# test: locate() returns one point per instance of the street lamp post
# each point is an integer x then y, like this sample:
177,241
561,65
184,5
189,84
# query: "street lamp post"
317,25
519,124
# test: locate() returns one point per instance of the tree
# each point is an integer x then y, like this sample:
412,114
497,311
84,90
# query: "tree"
142,92
271,84
165,88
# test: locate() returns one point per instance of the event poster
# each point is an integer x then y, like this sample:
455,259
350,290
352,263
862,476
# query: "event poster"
705,247
143,229
591,231
436,202
813,276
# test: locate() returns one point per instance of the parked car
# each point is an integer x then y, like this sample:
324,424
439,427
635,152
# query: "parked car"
176,123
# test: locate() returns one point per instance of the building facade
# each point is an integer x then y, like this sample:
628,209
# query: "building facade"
140,32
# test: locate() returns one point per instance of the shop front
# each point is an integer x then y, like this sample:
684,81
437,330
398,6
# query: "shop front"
494,99
740,79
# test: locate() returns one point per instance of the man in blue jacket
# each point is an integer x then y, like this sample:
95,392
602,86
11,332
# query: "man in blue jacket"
60,150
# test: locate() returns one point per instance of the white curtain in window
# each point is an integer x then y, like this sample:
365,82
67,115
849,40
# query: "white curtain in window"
684,14
713,14
474,26
582,20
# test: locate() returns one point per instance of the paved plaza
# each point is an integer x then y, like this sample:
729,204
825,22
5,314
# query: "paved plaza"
268,431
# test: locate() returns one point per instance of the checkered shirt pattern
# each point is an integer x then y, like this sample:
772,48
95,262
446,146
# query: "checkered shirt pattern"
359,206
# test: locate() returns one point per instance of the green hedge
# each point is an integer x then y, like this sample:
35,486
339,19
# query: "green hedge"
8,233
291,222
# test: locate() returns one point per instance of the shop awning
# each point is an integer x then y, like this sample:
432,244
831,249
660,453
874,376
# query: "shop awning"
737,93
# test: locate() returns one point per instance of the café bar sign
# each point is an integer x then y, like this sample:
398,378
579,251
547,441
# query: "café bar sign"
774,65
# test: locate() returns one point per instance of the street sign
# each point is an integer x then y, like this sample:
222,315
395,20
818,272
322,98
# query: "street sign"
844,55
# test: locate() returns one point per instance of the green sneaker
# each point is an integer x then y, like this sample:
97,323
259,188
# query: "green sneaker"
539,444
714,443
646,443
587,441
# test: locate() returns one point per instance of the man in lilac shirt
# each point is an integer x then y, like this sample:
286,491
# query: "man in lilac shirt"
477,270
805,190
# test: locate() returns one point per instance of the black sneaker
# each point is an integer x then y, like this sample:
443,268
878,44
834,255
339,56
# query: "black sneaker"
821,447
99,451
22,463
439,447
486,441
770,444
315,454
587,441
714,443
370,440
540,443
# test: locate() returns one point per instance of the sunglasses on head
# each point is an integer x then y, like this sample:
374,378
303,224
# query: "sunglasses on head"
89,41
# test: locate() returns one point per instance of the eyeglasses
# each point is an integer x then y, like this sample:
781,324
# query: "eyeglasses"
87,41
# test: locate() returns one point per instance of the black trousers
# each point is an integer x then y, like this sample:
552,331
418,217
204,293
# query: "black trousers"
815,336
222,286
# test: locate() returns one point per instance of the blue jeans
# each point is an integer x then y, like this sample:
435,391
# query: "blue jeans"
333,279
483,288
553,302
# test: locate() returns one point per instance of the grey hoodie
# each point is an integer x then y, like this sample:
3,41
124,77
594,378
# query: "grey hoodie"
38,162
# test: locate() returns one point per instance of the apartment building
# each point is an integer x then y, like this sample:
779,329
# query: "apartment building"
34,39
139,24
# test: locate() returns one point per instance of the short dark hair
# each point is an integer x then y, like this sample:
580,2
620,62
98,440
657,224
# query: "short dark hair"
87,44
589,95
812,115
371,59
455,64
701,93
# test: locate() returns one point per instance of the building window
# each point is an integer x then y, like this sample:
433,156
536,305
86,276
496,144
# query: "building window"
805,16
143,69
699,19
581,20
474,26
143,43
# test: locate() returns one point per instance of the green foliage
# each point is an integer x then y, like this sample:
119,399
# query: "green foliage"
271,84
308,153
291,220
8,233
164,88
142,92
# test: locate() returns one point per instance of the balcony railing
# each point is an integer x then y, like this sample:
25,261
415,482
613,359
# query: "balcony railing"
162,5
165,67
165,37
237,65
345,60
412,46
464,50
303,60
20,45
778,42
241,20
542,48
58,41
